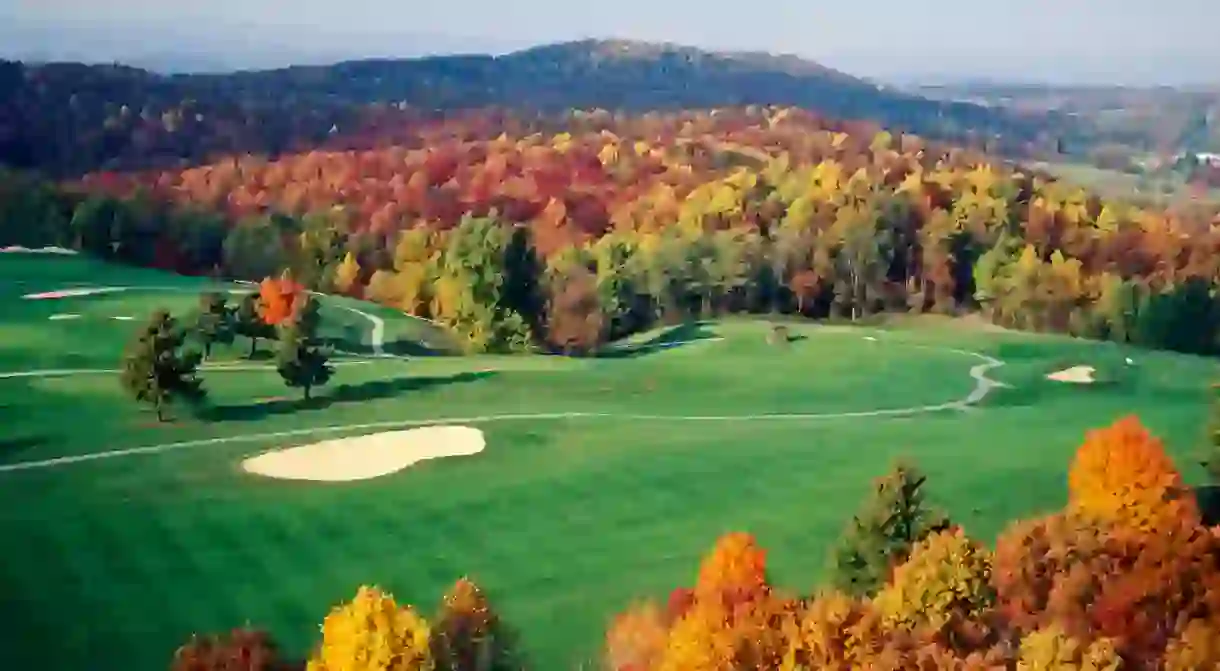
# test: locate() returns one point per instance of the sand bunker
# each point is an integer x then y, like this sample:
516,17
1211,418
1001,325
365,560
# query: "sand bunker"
366,457
1074,375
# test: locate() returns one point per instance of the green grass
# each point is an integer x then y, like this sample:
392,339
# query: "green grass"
109,564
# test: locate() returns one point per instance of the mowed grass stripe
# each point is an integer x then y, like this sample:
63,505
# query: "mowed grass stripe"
563,521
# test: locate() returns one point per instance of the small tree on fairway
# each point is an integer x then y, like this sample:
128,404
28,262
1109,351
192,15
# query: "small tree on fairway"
248,323
156,370
881,535
301,360
214,323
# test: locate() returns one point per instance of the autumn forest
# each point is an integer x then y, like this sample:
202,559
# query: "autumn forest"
526,231
515,234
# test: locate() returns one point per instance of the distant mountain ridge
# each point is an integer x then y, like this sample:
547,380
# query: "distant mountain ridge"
116,110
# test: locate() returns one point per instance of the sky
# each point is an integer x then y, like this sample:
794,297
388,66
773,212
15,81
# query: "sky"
1137,42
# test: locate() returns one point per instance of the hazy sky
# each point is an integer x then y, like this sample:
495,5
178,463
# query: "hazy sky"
1108,41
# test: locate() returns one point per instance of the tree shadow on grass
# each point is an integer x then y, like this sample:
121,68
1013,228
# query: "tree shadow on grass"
339,395
674,336
10,447
393,347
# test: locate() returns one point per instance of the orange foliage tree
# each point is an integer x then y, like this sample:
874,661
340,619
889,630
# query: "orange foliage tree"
736,567
1122,475
279,299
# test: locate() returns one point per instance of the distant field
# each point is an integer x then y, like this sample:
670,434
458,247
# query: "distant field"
1118,184
641,460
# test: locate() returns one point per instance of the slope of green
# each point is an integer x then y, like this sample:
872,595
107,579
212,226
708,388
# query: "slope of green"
39,338
642,459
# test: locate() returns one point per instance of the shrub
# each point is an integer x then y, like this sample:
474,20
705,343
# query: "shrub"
372,633
1052,649
467,634
1122,475
239,650
636,639
947,574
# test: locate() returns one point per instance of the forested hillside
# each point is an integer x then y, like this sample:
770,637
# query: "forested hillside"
516,237
1141,131
66,119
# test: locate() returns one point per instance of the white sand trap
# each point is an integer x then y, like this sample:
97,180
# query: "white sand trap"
56,318
366,457
123,318
870,338
69,293
1074,375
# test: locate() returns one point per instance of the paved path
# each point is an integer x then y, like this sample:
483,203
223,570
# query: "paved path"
983,386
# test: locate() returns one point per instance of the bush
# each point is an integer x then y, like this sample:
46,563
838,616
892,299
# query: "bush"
239,650
372,633
947,574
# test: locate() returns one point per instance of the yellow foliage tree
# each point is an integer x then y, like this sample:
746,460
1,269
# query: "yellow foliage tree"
1121,475
699,641
347,275
947,574
822,636
1051,649
373,633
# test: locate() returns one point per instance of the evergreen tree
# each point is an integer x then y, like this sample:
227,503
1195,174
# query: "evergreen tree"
881,535
156,369
214,323
301,360
248,322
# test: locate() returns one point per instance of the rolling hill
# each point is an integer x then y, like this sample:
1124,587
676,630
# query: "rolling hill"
65,118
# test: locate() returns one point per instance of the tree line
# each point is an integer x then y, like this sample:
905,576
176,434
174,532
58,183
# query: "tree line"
161,363
567,239
1125,576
